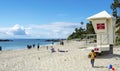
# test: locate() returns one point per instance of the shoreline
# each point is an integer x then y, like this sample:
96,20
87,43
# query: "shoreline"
22,43
25,47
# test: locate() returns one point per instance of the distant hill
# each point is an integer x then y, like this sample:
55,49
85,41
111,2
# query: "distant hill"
5,40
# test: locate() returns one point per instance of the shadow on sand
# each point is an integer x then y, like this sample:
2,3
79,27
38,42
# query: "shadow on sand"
100,67
106,56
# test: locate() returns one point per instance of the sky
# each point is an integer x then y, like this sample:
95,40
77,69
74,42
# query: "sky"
46,18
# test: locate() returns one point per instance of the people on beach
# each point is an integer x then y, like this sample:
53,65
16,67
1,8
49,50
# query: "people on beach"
0,48
61,43
29,46
47,47
52,49
52,43
33,45
38,46
92,57
62,50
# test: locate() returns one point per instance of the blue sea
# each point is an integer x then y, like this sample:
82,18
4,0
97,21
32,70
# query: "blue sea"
22,43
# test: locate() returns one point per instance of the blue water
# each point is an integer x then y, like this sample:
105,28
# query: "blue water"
22,43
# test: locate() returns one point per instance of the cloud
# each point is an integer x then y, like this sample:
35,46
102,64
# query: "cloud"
50,30
55,29
16,30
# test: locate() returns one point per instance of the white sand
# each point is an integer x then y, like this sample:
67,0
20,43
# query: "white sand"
43,60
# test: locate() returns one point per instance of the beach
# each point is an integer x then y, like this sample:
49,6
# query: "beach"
75,59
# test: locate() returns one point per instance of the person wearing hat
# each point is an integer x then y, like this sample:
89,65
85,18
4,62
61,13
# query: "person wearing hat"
92,57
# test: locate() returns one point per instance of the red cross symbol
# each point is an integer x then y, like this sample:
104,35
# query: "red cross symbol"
100,26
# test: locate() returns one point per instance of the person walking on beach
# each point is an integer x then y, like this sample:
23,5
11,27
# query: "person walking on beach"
92,57
38,46
33,45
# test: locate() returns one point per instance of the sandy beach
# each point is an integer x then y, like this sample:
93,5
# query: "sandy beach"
76,59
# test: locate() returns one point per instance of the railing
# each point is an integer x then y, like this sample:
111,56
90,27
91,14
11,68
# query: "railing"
92,40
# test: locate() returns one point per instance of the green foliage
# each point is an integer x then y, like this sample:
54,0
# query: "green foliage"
90,29
115,6
117,41
78,33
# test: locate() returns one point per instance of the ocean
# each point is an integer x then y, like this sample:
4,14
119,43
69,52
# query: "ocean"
22,43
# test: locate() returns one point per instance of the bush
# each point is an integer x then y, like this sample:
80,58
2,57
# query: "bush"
117,41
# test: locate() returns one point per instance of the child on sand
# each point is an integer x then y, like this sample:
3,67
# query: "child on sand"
92,57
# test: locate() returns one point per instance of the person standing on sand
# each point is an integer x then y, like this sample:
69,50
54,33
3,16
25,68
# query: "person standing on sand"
33,45
38,46
92,57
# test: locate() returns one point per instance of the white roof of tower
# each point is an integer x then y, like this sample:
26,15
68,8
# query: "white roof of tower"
102,14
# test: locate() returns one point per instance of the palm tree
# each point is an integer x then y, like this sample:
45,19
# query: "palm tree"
82,23
114,7
116,10
116,13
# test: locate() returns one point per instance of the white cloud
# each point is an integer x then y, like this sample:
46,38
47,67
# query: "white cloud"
16,30
55,30
12,32
51,30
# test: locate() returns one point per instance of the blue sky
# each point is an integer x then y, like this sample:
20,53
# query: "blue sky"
46,18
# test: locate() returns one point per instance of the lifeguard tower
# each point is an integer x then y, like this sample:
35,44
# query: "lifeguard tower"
104,25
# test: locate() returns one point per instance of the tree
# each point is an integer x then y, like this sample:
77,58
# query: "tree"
114,7
89,28
80,31
81,22
116,10
116,13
